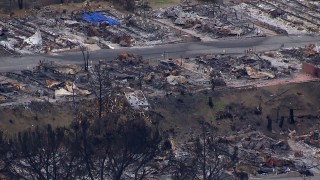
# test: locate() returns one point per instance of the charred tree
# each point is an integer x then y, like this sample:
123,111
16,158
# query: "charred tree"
210,103
206,160
20,4
269,125
281,122
101,86
5,158
39,154
134,147
291,117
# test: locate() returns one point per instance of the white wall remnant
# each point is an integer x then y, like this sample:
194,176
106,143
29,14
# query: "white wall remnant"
137,100
35,39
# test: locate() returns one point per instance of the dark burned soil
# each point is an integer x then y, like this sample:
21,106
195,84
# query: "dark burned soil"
234,110
18,118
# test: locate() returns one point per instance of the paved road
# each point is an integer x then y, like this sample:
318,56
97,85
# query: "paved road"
237,46
288,178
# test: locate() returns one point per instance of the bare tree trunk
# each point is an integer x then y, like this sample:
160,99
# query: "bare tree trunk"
73,96
204,153
10,5
47,167
87,62
291,117
86,156
20,4
100,92
102,168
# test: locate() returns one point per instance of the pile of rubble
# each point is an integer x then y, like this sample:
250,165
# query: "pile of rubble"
150,32
187,75
167,76
283,17
242,67
215,20
48,81
259,154
309,53
47,30
29,35
222,69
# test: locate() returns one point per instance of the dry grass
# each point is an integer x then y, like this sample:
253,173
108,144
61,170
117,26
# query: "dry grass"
182,114
20,118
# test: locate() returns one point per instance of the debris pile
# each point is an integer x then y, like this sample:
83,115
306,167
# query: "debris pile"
259,154
149,32
222,70
243,67
127,58
47,30
214,20
163,77
137,100
293,17
308,55
48,81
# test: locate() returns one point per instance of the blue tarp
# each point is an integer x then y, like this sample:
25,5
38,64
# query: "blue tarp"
95,17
